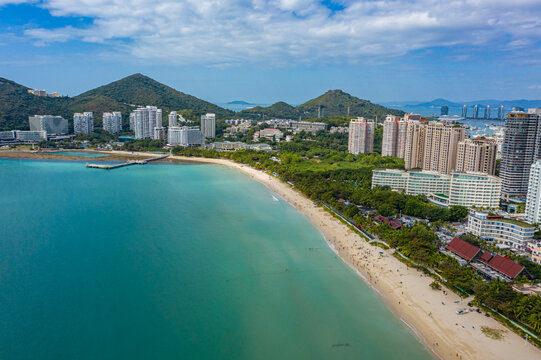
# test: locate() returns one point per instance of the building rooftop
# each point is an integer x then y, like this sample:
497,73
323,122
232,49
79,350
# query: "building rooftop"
506,266
463,249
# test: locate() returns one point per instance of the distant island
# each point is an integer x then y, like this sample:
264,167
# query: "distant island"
239,102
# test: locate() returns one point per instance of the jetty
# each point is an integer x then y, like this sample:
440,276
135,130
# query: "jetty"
127,163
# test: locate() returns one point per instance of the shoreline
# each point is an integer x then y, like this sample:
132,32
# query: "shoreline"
429,314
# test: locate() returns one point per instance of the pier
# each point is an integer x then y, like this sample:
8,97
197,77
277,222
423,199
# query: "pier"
127,163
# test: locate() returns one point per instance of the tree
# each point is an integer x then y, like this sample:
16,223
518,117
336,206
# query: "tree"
435,285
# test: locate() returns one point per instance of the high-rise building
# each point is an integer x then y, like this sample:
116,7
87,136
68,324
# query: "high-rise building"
83,123
208,125
441,145
185,136
394,137
536,111
532,214
415,144
145,120
465,111
487,112
132,121
477,155
112,122
444,110
521,147
173,119
361,136
501,112
159,133
49,123
476,111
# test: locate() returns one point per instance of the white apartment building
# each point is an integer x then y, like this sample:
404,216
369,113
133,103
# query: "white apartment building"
394,137
361,136
185,136
8,135
269,134
145,120
466,189
83,123
308,126
533,199
477,155
51,124
159,133
208,125
112,122
494,227
173,119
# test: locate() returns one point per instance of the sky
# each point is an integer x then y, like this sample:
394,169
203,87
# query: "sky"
263,51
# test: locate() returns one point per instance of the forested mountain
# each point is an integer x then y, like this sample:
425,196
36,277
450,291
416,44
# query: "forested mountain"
332,103
16,104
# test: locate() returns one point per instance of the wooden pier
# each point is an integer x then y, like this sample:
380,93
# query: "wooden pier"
127,163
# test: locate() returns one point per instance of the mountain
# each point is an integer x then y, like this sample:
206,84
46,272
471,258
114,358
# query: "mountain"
16,104
332,103
438,103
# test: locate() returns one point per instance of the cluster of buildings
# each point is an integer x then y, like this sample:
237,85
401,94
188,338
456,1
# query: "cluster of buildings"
487,112
44,93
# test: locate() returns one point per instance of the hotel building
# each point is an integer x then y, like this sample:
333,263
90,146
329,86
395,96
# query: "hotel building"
145,120
208,125
495,227
185,136
49,123
533,199
83,123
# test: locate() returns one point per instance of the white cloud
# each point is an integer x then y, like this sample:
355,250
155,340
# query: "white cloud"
218,32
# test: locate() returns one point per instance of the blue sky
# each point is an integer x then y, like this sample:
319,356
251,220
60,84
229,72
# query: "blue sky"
270,50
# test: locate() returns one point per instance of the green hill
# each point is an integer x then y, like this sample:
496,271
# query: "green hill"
16,104
333,103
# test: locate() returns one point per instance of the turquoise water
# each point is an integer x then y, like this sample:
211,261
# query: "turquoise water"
85,154
174,262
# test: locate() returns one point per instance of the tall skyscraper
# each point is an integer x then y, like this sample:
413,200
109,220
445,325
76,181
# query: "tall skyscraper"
501,112
487,112
415,144
208,125
477,155
532,214
464,111
112,122
361,136
441,146
476,111
145,120
173,117
394,137
521,147
49,123
83,123
444,110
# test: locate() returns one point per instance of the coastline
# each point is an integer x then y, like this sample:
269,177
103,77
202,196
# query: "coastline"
428,313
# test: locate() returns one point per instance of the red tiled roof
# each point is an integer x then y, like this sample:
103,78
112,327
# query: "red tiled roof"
395,224
463,249
485,257
505,266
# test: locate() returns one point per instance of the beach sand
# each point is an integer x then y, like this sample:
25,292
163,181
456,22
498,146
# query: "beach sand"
430,314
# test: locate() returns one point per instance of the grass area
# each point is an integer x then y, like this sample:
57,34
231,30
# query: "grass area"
495,334
516,222
329,164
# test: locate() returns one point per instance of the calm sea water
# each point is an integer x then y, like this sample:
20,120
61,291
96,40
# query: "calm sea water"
174,262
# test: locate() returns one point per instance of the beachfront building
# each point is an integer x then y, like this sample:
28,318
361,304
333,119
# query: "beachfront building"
466,189
208,125
394,137
8,135
112,122
83,123
477,155
533,199
361,136
494,227
49,123
308,126
144,120
237,145
269,134
159,133
185,136
173,119
536,255
31,136
520,149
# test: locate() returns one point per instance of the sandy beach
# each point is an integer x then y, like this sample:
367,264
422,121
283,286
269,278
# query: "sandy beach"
429,313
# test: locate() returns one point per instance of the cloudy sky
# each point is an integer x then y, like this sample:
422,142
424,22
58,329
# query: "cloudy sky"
270,50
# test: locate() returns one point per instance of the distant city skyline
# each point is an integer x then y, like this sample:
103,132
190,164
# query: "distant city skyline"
284,50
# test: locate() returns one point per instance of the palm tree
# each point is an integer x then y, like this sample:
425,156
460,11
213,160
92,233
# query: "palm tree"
535,321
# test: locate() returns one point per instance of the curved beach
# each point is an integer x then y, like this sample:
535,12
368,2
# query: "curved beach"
430,314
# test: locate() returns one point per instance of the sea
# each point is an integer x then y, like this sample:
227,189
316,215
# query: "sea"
170,261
